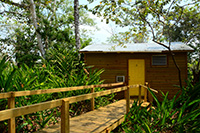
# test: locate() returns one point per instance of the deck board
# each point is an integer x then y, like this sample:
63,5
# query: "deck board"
97,121
94,121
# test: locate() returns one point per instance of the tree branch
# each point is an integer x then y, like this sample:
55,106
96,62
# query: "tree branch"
168,47
190,3
11,13
179,18
9,2
157,15
152,31
170,7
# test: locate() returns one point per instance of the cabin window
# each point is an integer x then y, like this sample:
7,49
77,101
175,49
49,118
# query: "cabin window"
120,79
159,60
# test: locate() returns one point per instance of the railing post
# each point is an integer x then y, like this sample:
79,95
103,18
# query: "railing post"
140,93
150,97
92,100
107,131
127,100
65,116
11,121
145,92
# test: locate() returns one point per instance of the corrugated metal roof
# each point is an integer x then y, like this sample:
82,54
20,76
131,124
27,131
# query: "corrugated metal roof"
135,47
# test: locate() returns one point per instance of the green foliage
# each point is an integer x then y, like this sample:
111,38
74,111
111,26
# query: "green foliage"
187,30
55,26
181,114
62,66
70,69
190,92
194,71
103,101
162,20
25,51
62,69
7,72
122,38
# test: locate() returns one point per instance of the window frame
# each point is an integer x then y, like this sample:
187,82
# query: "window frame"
120,76
166,65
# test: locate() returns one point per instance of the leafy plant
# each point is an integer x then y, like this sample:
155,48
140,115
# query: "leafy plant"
7,72
167,116
63,69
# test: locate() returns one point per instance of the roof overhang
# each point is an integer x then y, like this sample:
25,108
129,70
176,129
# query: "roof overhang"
177,51
136,48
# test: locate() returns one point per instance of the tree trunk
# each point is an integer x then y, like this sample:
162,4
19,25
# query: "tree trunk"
177,67
76,23
34,19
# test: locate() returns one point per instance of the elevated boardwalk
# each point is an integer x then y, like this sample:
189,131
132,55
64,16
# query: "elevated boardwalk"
102,120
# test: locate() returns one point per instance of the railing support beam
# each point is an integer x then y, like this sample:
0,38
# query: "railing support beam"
127,100
145,92
140,91
11,121
92,100
65,127
150,97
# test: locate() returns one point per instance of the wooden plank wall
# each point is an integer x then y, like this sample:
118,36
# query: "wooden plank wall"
160,78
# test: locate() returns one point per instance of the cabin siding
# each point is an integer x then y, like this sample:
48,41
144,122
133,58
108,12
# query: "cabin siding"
161,78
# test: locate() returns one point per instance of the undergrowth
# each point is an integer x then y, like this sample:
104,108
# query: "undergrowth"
181,114
60,69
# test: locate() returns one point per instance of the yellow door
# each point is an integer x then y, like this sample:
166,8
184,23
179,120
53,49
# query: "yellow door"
136,72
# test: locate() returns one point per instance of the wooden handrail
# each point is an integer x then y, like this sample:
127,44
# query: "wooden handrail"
95,94
37,92
138,85
149,88
133,86
13,112
146,86
10,113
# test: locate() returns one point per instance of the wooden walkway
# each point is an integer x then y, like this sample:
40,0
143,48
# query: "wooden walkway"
104,119
99,120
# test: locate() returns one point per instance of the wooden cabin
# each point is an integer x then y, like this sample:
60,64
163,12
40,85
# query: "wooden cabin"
140,63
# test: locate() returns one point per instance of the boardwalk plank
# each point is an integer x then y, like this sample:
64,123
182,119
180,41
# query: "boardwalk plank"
94,121
97,121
